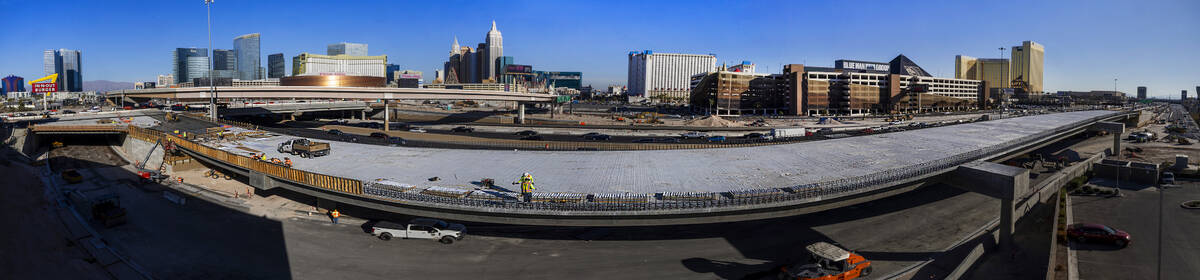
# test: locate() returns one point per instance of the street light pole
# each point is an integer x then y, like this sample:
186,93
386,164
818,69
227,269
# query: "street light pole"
212,86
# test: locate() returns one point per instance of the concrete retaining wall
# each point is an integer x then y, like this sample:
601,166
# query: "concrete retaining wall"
1127,171
137,150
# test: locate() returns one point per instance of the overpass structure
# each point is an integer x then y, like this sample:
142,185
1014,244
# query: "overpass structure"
587,188
330,93
312,92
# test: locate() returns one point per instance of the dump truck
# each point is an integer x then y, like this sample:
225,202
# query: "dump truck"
103,206
827,262
304,148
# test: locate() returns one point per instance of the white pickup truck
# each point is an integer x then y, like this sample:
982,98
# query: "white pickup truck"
420,228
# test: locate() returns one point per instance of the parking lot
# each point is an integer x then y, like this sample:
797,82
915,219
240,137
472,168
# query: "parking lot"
1163,233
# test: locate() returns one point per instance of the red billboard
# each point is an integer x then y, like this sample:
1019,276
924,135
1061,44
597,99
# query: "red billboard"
518,69
45,87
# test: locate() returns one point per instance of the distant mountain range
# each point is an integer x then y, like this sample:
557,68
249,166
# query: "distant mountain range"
104,86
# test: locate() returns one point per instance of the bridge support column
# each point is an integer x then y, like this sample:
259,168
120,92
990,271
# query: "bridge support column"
387,116
1114,128
520,113
262,181
363,113
1004,182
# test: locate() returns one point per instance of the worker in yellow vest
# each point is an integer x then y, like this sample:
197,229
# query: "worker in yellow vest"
335,215
527,188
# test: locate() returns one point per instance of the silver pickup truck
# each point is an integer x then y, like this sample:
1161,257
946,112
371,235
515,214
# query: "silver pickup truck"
420,228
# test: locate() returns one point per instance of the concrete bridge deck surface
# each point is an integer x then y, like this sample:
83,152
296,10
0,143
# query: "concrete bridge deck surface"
701,170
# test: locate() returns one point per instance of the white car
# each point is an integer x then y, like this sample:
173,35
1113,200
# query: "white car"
420,228
694,134
417,130
1168,178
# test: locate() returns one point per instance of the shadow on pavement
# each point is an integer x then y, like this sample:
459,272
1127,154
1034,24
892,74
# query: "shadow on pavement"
194,240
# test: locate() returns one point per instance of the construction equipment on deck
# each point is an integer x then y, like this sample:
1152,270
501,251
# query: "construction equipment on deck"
304,147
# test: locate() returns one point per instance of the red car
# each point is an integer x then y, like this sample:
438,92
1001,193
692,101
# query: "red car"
1087,232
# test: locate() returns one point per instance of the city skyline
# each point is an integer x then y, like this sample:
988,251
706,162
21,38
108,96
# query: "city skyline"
1089,49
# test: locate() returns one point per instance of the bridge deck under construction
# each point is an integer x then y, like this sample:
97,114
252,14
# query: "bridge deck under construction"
696,170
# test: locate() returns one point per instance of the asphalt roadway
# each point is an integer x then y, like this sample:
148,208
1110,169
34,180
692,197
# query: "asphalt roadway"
1164,235
205,240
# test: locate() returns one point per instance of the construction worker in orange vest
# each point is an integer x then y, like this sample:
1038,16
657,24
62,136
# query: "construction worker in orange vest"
287,161
335,215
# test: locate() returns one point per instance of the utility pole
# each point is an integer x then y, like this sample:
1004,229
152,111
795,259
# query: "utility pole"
212,86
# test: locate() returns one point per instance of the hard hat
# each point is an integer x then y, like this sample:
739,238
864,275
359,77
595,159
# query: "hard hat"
525,174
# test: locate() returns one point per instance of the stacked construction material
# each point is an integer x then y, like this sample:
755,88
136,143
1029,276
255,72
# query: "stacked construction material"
620,198
445,192
386,188
751,193
689,196
559,197
806,190
491,195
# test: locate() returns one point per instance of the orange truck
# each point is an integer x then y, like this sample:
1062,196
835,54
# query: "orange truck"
827,262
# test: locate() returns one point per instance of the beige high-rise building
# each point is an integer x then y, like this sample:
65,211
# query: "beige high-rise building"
1027,64
964,67
993,71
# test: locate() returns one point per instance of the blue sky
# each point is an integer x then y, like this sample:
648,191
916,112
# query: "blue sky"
1088,43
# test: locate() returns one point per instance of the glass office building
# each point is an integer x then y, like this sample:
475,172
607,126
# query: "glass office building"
275,64
182,63
249,59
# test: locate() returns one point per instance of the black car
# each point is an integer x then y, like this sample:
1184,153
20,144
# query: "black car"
335,132
527,133
378,135
393,141
755,135
644,140
598,137
532,137
666,140
463,129
590,134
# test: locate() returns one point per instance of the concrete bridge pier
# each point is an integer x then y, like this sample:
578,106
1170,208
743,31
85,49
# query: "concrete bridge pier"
520,113
387,116
1114,128
1004,182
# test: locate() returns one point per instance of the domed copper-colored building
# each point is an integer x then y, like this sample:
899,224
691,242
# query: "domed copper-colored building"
333,81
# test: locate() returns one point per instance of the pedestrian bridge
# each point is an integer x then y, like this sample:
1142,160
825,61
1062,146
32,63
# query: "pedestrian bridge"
635,187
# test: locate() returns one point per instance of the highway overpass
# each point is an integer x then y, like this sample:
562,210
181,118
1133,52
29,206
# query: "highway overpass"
311,92
588,188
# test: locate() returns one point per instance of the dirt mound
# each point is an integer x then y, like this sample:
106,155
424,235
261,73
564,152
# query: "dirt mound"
711,121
